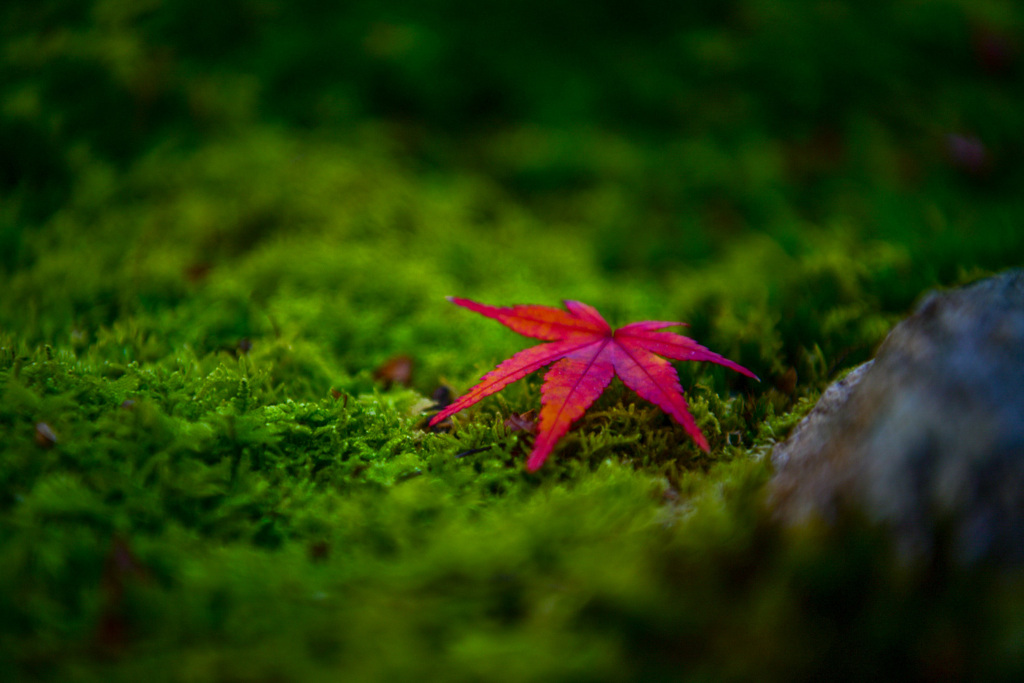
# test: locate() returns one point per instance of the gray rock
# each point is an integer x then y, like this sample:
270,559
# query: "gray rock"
928,437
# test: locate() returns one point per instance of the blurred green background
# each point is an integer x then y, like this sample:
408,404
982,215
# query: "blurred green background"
820,164
219,220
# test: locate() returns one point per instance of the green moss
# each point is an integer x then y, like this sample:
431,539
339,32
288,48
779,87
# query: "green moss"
209,242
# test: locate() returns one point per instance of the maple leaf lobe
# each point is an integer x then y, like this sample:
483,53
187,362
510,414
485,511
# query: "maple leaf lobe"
586,353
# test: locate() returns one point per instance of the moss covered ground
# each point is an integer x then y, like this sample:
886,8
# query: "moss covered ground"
219,221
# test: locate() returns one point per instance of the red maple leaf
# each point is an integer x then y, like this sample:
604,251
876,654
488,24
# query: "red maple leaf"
587,353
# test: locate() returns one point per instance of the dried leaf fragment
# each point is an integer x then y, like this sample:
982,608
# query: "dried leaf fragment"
395,370
44,436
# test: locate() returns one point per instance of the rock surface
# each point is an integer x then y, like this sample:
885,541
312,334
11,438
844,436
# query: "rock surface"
929,436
